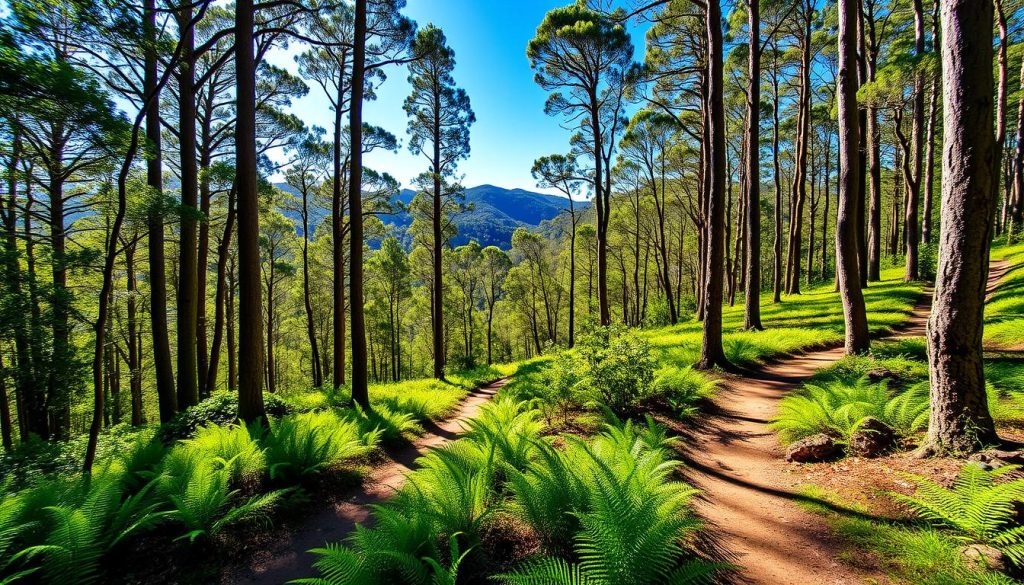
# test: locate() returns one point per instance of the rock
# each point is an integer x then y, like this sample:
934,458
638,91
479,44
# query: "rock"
811,449
872,438
983,556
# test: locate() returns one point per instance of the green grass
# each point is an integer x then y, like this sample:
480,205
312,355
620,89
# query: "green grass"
1004,313
911,553
799,322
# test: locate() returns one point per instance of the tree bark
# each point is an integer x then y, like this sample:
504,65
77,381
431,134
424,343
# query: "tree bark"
250,301
847,264
188,390
752,293
960,421
360,391
712,352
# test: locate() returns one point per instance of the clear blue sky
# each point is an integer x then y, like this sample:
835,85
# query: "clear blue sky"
489,38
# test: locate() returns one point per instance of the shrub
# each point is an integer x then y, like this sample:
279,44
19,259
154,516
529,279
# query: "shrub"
979,508
298,445
632,518
221,408
682,388
620,368
837,408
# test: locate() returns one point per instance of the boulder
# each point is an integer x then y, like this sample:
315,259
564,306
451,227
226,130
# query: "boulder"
983,556
872,438
820,447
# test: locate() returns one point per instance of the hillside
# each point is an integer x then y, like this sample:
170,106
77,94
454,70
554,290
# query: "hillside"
496,213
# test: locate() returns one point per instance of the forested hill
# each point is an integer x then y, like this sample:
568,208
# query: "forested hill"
496,213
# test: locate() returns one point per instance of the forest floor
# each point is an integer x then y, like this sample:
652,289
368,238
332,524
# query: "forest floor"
286,555
756,503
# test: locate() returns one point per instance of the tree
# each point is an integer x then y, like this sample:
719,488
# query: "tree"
250,298
586,54
560,172
494,266
439,119
752,292
847,236
711,351
960,420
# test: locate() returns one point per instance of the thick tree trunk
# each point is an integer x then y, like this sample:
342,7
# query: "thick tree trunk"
912,163
960,420
250,301
188,390
847,263
712,352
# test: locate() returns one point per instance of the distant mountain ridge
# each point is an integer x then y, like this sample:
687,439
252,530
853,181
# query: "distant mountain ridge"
496,213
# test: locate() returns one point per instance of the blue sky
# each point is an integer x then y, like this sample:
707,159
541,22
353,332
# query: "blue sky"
489,38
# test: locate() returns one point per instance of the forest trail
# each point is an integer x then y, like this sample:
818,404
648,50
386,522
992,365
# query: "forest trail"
750,495
287,557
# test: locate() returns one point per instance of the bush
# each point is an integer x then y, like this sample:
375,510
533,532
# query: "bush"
620,368
298,445
978,509
221,408
682,388
837,408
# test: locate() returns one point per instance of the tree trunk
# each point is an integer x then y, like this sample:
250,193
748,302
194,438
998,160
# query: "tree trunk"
847,264
250,301
360,391
220,298
712,352
912,164
960,421
188,390
752,293
338,248
318,379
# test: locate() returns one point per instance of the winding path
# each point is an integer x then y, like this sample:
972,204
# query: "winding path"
749,498
288,558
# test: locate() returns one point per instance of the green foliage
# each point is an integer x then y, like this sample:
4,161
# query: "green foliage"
82,521
508,430
302,444
682,388
221,408
201,500
981,507
838,407
390,425
620,368
632,518
235,445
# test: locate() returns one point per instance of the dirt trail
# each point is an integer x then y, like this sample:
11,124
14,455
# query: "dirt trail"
750,496
288,557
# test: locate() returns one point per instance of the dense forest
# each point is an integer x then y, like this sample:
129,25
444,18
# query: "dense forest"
215,316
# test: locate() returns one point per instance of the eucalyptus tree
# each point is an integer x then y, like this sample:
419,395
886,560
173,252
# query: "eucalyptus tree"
560,172
586,55
847,258
960,420
712,352
304,175
647,141
494,267
440,115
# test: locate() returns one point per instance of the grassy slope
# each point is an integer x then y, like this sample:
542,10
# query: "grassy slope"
814,318
1004,314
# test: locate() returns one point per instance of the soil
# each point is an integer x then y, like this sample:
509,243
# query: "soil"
286,556
751,496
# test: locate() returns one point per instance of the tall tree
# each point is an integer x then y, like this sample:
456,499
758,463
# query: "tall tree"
560,172
711,350
752,278
847,257
586,54
960,420
250,298
439,119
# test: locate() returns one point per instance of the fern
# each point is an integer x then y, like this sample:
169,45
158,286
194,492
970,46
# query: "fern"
977,509
837,408
236,444
303,444
509,428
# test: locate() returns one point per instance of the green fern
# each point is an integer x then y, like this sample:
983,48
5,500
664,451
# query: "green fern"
237,444
304,444
979,508
837,408
510,428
